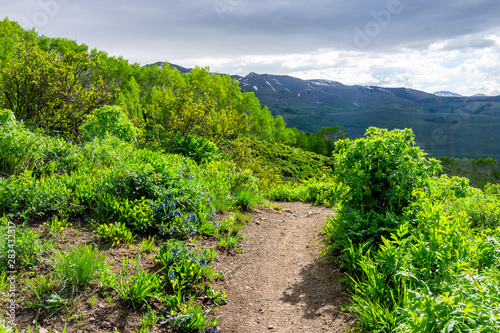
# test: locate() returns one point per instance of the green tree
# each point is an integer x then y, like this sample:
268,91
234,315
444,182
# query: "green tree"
48,91
279,130
130,100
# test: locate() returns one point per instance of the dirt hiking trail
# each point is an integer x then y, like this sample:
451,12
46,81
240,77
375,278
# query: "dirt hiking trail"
282,283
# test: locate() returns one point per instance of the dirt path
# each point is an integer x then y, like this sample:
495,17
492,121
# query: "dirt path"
281,283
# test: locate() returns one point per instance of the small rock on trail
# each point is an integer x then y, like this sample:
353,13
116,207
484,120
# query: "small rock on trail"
281,283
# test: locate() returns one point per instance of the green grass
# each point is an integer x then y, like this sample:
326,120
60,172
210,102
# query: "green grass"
136,289
78,267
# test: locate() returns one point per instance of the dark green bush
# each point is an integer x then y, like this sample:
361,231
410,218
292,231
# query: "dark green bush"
379,174
382,170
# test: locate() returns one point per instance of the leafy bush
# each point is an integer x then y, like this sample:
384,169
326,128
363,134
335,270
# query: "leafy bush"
433,273
229,186
110,120
381,170
198,148
154,191
20,149
483,210
192,319
114,233
7,117
19,246
492,189
26,196
324,191
379,174
104,152
181,267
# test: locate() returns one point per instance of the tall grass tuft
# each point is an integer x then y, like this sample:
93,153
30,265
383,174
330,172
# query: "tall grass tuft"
78,267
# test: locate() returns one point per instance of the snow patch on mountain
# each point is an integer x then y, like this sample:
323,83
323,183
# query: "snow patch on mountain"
446,94
270,85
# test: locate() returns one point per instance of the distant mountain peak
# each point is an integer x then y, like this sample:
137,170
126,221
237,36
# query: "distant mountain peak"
479,95
447,94
252,74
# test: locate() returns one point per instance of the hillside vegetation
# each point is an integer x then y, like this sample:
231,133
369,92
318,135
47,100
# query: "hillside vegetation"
120,185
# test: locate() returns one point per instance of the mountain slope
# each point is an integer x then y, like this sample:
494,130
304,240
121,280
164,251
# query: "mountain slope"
451,126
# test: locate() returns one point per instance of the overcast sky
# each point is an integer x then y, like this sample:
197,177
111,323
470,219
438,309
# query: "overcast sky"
428,45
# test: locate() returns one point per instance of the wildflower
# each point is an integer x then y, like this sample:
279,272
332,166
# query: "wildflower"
61,228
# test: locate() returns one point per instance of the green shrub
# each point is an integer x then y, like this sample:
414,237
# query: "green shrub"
229,186
323,191
483,211
382,170
379,174
20,149
492,189
198,148
7,117
26,196
183,269
114,233
159,193
104,152
108,120
19,246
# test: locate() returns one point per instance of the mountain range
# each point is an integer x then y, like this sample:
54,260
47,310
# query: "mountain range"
444,123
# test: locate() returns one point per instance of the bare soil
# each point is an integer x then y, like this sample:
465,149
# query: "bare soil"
282,283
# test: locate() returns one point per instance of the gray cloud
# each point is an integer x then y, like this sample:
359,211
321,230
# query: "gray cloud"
469,42
150,30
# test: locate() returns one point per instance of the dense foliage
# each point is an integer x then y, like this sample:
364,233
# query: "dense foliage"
425,262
